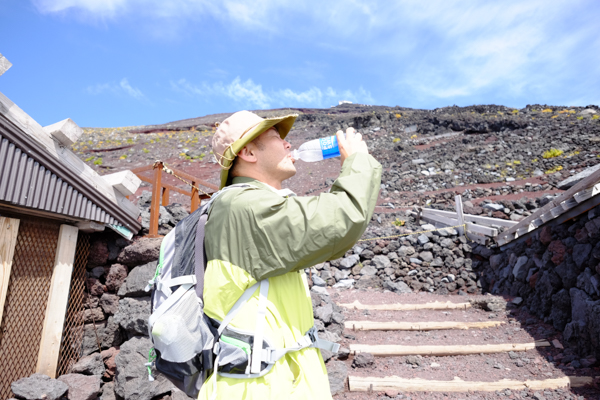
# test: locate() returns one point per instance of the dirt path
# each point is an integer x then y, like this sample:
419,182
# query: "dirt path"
538,364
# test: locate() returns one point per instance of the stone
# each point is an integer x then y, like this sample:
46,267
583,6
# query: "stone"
108,391
546,235
137,280
95,288
142,251
381,262
318,281
116,276
397,287
422,239
494,207
368,270
324,313
367,254
362,360
406,251
133,315
93,315
39,386
90,365
81,387
368,281
426,256
558,250
319,290
108,333
109,303
99,271
581,254
497,260
337,373
349,262
344,284
98,253
519,268
561,309
109,356
131,379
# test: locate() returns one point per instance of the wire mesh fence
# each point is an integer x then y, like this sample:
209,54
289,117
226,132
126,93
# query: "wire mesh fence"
26,300
70,348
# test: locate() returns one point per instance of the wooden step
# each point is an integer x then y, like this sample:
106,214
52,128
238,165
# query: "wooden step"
397,350
369,384
417,326
448,305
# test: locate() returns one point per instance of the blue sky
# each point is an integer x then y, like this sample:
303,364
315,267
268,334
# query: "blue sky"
132,62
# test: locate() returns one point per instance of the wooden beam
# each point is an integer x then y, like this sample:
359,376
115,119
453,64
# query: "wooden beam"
166,185
453,222
437,305
90,226
394,383
417,326
459,213
155,202
4,66
475,218
582,185
9,229
125,182
58,300
398,350
66,132
34,130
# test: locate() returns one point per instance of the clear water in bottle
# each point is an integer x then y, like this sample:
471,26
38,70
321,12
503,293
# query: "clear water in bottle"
317,149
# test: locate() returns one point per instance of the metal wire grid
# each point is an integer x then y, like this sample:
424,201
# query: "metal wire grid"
70,348
26,300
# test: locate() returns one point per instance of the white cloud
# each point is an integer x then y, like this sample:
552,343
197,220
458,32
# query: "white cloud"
437,49
123,87
251,94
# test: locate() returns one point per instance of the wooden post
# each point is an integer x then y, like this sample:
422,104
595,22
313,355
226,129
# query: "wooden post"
9,228
165,197
195,199
155,203
58,300
459,214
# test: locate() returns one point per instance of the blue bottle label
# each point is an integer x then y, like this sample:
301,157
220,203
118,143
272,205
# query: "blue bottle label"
329,147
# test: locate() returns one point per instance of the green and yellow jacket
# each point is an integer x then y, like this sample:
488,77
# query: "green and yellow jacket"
253,234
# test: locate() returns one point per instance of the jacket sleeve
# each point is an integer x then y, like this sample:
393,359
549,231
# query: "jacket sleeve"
294,233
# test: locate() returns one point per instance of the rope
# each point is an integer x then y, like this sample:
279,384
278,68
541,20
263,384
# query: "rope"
170,172
464,226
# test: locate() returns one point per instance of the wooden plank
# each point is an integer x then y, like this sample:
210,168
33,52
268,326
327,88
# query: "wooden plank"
582,185
394,383
125,182
9,229
4,66
474,218
90,226
29,126
437,305
477,238
166,186
453,222
417,326
385,350
66,131
58,299
459,213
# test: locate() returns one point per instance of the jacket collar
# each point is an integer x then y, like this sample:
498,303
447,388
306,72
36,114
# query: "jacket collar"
243,179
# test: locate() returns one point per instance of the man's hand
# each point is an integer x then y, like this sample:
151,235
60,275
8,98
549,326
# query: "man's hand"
350,144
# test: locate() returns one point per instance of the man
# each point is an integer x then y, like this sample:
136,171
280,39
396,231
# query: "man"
261,232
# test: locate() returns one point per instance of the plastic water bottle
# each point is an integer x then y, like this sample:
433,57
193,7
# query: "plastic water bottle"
317,149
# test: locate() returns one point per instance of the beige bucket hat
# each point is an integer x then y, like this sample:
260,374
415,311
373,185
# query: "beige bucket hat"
240,129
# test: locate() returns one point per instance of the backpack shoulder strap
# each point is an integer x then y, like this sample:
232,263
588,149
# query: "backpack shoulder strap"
200,256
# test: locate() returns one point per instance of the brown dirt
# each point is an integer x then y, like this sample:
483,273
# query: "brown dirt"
517,328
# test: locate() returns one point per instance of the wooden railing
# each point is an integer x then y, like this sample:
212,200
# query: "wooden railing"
161,191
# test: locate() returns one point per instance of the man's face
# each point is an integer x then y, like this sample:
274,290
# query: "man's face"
273,155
